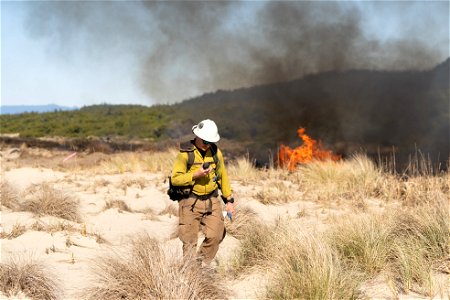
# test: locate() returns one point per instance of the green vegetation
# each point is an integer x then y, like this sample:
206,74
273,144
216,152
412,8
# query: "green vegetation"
132,121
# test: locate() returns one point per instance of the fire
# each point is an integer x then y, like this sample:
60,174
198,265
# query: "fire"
309,151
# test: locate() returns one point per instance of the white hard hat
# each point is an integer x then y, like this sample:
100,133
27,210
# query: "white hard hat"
207,130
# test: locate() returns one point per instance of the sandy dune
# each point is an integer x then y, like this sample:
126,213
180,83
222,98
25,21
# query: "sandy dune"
69,249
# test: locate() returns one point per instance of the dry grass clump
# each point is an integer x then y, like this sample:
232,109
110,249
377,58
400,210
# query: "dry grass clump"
160,161
427,224
171,210
257,247
29,278
45,200
17,230
306,267
244,220
351,179
119,204
101,183
147,272
276,192
415,190
245,171
363,241
420,247
410,268
129,182
9,197
53,227
408,244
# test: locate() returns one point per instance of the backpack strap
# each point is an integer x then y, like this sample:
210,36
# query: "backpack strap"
214,153
189,148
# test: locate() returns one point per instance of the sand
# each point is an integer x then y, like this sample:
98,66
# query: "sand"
68,252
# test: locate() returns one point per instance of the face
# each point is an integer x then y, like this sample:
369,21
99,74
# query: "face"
202,144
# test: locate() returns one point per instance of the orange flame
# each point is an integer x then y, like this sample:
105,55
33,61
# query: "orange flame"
309,151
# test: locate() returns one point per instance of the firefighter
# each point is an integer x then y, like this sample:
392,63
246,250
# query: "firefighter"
203,208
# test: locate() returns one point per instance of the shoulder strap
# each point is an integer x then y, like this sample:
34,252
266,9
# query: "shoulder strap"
214,153
189,148
191,159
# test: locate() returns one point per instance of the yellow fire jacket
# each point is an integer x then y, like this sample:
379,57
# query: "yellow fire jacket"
204,185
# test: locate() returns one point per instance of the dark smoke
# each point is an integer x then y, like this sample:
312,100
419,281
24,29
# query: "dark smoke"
184,49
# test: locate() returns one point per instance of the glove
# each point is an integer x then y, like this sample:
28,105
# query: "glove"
225,200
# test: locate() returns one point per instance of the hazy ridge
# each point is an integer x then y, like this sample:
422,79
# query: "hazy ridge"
18,109
373,111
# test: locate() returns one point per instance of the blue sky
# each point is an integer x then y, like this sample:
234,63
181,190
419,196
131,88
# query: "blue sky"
89,52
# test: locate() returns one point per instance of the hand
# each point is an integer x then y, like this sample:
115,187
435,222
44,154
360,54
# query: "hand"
230,211
230,207
201,173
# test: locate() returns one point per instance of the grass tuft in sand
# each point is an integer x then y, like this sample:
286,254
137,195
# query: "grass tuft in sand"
9,196
29,278
45,200
244,219
306,267
147,272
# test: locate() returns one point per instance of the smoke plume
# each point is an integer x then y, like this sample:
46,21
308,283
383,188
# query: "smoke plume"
183,49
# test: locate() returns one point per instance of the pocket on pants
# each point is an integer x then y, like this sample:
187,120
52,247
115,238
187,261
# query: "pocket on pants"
185,214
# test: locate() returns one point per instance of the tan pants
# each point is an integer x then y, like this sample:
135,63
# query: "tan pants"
192,218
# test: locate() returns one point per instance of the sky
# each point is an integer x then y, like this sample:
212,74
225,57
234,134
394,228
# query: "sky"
79,53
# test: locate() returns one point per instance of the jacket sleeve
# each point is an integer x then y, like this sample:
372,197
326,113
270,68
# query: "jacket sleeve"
180,176
223,178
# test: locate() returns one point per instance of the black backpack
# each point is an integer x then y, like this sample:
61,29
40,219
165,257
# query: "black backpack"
177,193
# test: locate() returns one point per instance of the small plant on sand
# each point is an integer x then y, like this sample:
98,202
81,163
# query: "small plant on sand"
29,278
146,271
119,204
129,182
45,200
53,227
17,230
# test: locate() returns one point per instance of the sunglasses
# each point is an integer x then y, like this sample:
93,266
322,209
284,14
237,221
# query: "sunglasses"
205,142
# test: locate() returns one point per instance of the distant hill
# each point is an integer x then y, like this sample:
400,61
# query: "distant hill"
377,112
372,111
18,109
